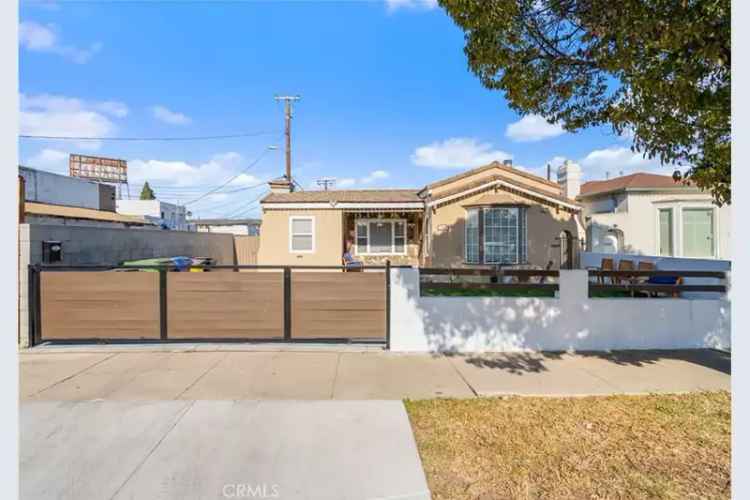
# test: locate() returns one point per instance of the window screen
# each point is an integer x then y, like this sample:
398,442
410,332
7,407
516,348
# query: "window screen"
665,232
501,235
472,236
302,235
381,237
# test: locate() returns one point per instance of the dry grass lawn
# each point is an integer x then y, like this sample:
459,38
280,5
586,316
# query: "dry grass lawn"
659,446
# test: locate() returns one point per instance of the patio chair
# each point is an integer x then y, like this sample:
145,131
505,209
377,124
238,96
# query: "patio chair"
350,264
607,265
624,265
642,280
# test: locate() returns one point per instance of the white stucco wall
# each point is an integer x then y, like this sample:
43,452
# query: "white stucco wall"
55,189
570,322
637,217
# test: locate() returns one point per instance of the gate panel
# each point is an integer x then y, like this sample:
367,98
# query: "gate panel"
99,305
336,305
218,305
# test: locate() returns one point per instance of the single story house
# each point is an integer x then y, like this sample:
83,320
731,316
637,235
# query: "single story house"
238,227
490,215
650,214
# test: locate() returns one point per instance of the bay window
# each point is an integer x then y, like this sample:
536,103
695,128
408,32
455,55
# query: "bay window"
495,235
381,237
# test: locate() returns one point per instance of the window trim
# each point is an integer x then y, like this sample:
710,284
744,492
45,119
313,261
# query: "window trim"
392,222
521,234
673,232
293,218
466,237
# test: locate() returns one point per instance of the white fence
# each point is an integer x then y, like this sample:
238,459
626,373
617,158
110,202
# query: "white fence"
571,322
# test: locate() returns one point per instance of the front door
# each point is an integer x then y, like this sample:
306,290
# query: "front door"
698,232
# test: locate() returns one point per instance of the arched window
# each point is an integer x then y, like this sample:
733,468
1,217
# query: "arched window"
495,235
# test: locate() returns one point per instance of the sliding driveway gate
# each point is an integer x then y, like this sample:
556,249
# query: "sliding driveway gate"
229,303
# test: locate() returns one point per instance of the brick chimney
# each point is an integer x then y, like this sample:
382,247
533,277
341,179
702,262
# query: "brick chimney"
569,178
281,185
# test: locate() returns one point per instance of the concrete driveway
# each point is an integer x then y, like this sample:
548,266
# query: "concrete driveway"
219,449
232,372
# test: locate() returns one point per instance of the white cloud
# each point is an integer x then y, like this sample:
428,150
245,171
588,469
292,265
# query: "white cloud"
457,152
168,116
54,115
48,159
393,5
183,174
612,161
345,182
374,176
532,128
40,38
618,160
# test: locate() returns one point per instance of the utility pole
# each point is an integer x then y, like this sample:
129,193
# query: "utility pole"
288,100
326,182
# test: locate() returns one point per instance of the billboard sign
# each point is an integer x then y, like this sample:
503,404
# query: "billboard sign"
97,168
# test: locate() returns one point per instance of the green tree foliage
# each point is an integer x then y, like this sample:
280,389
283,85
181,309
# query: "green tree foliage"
658,70
147,193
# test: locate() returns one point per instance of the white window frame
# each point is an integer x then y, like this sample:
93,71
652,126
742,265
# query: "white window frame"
392,222
715,229
678,206
673,209
293,218
466,236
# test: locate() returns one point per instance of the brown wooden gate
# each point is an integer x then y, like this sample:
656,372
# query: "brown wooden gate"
265,303
336,305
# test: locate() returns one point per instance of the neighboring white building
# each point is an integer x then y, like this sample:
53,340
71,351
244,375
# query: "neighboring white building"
652,214
164,214
240,227
56,189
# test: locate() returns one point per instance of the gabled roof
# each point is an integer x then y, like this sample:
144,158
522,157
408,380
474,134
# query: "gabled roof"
637,181
523,189
345,196
492,165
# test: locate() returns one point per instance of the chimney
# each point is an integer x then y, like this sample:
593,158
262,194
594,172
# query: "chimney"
569,178
280,185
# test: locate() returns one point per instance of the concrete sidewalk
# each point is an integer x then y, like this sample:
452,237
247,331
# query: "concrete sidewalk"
219,449
232,372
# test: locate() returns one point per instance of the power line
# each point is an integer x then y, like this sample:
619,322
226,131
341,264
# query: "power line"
247,207
233,177
194,138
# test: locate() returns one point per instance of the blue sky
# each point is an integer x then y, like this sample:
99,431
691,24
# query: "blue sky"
387,99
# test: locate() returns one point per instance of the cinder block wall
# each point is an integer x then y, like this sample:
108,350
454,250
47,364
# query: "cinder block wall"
97,245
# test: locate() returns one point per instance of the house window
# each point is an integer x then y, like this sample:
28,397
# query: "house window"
496,235
698,232
472,237
666,231
381,237
302,234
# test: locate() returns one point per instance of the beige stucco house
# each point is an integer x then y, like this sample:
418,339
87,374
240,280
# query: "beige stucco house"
650,214
487,216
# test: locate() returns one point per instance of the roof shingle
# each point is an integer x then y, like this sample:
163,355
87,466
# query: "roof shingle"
639,180
345,196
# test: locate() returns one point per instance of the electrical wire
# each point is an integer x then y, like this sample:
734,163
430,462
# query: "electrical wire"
194,138
260,157
246,208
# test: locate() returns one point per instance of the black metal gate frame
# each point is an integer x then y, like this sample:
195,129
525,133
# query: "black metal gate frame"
35,304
